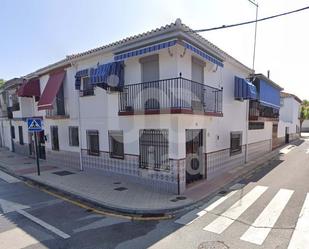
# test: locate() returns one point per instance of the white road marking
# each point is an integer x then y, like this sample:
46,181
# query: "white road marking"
8,206
300,237
229,216
16,238
9,179
307,151
261,227
197,213
287,149
44,224
102,222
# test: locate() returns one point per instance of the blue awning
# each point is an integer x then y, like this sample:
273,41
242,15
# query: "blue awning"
269,95
244,89
203,54
78,77
110,75
145,50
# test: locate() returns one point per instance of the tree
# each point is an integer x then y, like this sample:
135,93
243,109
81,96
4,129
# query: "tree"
1,82
304,112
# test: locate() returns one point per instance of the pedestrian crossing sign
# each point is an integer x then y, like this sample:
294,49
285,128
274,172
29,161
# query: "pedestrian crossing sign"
34,124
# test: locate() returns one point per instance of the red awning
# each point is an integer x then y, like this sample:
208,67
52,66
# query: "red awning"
29,88
50,91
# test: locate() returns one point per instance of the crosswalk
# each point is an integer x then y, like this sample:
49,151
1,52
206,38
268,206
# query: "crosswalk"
261,227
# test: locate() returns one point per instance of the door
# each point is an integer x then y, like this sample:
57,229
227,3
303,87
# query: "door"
150,78
195,160
197,87
287,135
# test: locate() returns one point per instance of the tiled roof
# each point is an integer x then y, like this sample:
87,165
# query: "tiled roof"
175,26
287,95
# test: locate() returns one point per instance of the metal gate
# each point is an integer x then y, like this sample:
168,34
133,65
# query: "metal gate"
195,160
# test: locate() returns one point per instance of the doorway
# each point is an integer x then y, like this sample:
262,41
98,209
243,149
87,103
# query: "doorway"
41,145
287,135
195,160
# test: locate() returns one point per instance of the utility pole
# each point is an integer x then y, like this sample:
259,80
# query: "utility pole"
255,30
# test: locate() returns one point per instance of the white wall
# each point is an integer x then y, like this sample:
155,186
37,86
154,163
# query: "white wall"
289,113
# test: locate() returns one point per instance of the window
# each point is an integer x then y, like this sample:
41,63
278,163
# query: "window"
87,87
73,136
54,137
256,125
116,144
93,142
153,145
150,68
13,132
21,136
236,140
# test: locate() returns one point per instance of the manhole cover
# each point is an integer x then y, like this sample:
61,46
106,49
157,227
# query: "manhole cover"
63,173
117,183
174,200
181,198
212,245
120,189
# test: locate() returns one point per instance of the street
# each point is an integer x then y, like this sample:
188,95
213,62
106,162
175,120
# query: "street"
260,211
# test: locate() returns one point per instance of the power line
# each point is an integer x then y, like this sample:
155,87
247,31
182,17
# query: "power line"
249,22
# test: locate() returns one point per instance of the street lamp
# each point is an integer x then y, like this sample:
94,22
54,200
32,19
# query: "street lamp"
256,17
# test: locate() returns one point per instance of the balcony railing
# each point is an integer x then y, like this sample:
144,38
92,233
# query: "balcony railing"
257,110
175,95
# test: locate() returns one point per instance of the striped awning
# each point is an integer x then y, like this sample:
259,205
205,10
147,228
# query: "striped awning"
145,50
203,54
110,75
78,77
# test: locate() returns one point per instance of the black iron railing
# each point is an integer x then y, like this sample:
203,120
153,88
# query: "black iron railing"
256,110
174,93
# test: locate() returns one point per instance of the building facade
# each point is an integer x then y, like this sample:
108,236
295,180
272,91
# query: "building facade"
164,109
289,124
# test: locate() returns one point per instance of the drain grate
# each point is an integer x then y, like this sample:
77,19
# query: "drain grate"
63,173
11,156
213,245
27,162
120,189
117,183
222,192
181,198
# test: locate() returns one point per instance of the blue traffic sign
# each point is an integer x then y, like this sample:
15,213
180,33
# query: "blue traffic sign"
34,124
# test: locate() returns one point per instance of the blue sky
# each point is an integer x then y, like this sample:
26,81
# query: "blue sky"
35,33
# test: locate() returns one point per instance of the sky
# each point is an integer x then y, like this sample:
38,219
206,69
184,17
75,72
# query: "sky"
35,33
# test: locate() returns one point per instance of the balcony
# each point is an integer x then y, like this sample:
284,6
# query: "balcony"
257,111
175,95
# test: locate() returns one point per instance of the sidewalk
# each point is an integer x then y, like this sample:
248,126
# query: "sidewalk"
115,193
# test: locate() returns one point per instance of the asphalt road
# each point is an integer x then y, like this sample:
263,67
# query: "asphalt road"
261,211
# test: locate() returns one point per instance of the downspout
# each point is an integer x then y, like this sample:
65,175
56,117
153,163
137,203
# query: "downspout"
247,126
80,129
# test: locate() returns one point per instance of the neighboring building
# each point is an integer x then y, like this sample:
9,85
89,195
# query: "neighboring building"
163,109
305,126
9,103
289,124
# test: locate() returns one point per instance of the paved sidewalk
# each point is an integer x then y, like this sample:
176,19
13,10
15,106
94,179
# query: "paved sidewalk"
116,193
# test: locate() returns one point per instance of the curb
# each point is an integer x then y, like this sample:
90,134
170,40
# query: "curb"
140,214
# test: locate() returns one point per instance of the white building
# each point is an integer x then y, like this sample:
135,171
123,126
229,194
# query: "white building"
289,123
160,108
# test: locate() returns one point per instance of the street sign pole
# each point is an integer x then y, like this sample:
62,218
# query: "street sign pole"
35,126
37,152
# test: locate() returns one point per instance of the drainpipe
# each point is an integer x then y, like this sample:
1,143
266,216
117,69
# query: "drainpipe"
79,130
247,127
